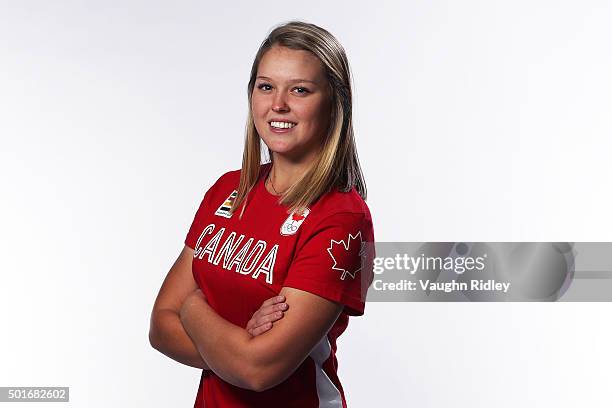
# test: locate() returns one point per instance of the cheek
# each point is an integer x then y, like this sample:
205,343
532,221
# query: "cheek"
315,125
258,106
318,115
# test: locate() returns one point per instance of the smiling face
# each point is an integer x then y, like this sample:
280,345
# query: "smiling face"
290,103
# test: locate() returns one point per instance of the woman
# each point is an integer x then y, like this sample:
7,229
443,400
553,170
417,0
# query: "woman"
295,227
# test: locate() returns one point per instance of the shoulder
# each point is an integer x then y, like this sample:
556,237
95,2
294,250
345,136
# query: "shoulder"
224,185
229,177
340,202
346,210
227,180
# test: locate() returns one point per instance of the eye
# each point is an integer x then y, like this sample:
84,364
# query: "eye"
301,90
264,87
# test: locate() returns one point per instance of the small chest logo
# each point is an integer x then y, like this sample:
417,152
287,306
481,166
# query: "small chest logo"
293,222
224,209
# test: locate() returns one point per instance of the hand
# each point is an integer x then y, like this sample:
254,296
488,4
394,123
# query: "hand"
270,311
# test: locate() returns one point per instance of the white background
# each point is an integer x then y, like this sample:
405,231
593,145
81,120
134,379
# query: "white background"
475,121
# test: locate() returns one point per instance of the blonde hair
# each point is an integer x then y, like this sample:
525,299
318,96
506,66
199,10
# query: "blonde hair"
338,164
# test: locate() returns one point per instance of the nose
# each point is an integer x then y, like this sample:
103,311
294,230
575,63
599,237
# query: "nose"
279,104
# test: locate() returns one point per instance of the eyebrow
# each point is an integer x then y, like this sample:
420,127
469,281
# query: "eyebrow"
291,80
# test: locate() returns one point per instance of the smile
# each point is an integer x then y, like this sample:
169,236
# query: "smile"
282,125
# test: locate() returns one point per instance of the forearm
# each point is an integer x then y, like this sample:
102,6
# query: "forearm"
226,348
168,336
264,361
229,350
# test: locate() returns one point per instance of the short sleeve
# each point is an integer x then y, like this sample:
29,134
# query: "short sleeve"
196,225
335,261
192,234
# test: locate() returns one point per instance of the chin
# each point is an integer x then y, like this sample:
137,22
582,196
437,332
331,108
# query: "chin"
281,149
278,144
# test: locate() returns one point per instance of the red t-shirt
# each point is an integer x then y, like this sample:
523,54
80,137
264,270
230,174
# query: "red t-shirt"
240,263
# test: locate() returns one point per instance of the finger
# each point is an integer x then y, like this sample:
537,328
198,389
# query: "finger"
263,311
275,316
278,307
255,320
271,317
254,331
267,322
261,329
273,300
250,325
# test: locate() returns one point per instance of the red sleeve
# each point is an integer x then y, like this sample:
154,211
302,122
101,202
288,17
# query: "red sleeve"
335,261
196,228
196,225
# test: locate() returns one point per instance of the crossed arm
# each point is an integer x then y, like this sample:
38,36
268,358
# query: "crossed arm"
188,330
261,362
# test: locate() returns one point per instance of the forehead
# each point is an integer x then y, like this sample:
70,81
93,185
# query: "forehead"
282,63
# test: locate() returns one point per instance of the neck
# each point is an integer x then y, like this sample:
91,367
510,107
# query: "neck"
285,173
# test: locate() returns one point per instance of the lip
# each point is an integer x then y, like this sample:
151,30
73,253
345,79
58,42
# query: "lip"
281,120
280,130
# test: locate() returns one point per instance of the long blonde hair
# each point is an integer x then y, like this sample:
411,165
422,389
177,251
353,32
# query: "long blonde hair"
338,164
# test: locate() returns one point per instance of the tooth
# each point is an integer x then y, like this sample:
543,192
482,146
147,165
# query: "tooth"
282,125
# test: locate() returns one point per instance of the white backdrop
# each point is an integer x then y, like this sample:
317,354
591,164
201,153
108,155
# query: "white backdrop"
475,121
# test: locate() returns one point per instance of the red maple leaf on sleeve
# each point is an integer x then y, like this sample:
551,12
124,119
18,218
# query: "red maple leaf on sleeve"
346,255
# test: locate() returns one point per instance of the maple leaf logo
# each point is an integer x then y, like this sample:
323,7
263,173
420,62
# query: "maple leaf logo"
293,222
347,255
297,217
